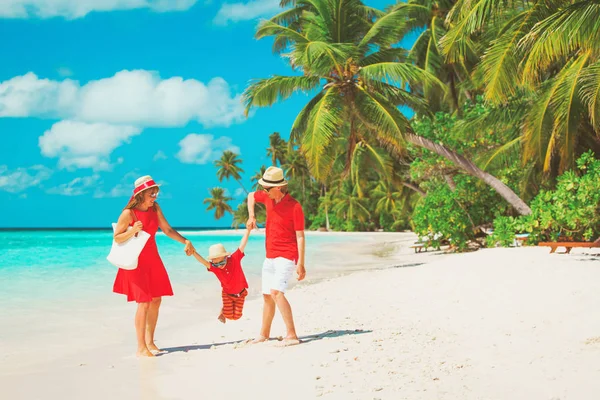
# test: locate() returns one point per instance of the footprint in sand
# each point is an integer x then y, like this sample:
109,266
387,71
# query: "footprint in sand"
593,340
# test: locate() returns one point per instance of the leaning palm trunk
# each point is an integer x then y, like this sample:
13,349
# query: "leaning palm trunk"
469,167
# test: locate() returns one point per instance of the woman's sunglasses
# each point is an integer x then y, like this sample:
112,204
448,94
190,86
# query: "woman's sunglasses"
268,189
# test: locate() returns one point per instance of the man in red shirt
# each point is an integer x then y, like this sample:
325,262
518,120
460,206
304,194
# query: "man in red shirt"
285,249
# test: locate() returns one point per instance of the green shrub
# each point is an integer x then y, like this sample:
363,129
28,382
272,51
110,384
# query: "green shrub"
570,212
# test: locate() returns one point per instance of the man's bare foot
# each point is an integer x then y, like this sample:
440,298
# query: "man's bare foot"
221,318
258,339
144,353
288,341
152,347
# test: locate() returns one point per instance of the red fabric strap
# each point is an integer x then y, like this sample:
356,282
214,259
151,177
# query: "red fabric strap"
143,186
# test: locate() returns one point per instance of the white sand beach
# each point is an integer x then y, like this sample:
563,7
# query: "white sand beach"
494,324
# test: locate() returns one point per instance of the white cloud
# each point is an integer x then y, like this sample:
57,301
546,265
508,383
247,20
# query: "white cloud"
139,98
77,187
81,145
160,155
17,180
235,12
203,148
71,9
239,192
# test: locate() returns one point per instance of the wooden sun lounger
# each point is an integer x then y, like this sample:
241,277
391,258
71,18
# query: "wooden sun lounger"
569,245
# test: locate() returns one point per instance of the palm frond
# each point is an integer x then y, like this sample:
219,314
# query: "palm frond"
266,92
301,121
383,119
324,121
385,31
562,33
567,109
590,92
400,74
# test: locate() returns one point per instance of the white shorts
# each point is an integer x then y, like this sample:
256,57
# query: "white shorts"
276,274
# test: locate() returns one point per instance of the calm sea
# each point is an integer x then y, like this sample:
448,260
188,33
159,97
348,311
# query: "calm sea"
56,287
46,265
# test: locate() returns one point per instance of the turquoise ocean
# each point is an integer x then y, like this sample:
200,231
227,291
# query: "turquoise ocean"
57,284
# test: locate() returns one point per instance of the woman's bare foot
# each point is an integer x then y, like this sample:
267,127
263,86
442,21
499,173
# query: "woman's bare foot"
152,347
221,318
144,353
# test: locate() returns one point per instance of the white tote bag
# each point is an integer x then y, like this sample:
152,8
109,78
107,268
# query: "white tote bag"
125,255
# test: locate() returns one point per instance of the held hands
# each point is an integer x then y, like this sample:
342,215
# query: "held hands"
251,223
189,248
301,271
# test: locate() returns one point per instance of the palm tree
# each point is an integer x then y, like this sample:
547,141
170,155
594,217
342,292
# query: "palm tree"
258,175
277,149
427,18
229,168
344,50
347,204
218,201
545,55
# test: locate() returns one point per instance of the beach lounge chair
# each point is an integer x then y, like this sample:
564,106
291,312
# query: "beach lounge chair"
569,245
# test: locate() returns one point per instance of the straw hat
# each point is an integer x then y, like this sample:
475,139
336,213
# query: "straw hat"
216,251
143,183
272,177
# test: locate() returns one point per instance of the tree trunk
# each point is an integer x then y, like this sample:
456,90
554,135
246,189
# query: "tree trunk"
326,211
450,181
472,169
414,187
243,188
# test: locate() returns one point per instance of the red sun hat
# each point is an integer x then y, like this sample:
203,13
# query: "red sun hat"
143,183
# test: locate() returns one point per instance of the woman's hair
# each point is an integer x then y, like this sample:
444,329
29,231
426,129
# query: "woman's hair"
283,189
138,199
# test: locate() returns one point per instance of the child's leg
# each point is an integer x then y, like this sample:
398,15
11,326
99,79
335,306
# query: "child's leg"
238,305
227,310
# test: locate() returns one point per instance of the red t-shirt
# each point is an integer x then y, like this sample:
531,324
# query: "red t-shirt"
231,276
283,220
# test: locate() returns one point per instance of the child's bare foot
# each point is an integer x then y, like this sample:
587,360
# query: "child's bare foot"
152,347
221,318
144,352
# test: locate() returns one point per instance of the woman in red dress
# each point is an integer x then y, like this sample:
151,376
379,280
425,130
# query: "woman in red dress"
149,281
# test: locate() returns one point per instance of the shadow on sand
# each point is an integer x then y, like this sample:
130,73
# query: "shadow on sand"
304,339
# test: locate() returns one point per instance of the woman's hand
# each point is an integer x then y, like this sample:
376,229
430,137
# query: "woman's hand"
138,226
189,248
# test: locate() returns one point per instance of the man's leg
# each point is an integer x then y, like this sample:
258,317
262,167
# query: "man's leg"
286,313
268,315
284,270
269,304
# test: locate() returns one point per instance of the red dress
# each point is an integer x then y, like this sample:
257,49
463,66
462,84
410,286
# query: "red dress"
150,278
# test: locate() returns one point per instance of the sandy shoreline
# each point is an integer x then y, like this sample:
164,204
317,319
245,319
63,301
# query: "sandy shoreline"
493,324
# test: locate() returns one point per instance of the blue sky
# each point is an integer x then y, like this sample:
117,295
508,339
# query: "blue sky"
95,93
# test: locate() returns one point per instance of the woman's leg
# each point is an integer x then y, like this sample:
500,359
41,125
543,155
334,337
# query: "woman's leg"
141,316
151,323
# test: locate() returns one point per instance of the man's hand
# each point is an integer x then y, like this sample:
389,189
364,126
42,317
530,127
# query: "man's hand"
301,271
251,223
189,248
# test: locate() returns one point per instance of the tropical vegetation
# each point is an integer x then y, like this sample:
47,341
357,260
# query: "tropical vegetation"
482,119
